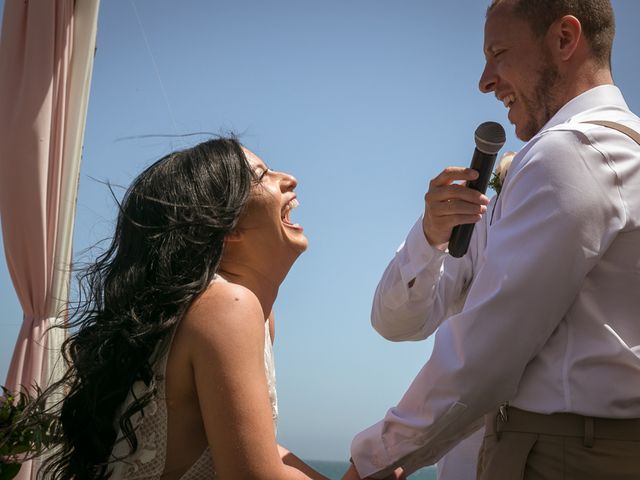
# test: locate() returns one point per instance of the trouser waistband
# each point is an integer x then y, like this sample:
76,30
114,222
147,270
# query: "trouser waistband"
511,419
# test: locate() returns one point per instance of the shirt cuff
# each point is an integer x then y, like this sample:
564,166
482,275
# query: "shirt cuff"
369,455
416,254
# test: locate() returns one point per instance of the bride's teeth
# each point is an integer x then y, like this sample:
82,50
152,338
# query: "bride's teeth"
293,203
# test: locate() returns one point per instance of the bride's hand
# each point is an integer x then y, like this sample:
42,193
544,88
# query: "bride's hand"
352,474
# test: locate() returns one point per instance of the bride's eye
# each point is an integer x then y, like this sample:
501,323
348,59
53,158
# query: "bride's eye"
261,176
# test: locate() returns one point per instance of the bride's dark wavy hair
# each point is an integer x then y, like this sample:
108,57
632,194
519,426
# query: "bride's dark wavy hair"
165,251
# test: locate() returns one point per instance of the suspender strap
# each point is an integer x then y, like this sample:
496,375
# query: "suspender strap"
635,136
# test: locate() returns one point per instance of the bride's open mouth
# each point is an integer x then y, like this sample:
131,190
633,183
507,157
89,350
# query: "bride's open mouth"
286,214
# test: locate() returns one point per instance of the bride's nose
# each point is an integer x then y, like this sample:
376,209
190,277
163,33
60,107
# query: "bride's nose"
288,182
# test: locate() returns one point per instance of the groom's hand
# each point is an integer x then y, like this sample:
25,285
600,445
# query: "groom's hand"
352,474
448,204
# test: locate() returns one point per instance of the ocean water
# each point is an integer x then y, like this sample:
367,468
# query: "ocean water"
335,470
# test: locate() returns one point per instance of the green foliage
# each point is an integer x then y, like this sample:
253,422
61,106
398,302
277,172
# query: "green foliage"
495,183
27,428
8,470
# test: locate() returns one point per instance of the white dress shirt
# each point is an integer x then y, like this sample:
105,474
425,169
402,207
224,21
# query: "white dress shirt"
550,322
419,289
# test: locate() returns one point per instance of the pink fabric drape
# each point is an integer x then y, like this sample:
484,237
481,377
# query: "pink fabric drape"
43,95
35,53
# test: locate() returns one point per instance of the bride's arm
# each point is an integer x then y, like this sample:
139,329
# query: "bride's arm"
226,331
272,326
293,461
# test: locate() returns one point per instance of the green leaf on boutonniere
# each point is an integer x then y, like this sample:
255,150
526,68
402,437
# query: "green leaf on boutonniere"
495,183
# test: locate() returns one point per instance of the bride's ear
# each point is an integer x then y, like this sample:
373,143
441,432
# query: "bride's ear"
233,237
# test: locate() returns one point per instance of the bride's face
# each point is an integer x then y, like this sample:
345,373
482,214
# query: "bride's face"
267,218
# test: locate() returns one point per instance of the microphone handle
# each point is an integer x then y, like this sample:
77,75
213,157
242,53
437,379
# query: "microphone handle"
461,234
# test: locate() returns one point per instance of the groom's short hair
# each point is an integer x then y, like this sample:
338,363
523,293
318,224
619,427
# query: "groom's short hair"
595,16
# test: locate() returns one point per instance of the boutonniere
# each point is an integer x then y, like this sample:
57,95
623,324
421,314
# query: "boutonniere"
500,173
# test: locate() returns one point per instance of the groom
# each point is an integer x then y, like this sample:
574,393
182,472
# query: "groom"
545,347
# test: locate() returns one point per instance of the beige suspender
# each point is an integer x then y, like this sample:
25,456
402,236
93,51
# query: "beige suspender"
635,136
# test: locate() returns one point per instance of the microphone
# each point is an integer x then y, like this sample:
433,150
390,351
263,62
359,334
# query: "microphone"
490,138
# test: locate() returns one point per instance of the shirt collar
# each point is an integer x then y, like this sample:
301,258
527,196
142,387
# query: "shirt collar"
593,98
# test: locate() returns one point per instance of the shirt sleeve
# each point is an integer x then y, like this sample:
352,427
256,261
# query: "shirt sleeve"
422,286
560,210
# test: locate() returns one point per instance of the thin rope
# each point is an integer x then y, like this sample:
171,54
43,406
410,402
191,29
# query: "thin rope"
168,135
155,66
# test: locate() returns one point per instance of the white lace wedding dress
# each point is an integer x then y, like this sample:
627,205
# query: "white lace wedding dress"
151,428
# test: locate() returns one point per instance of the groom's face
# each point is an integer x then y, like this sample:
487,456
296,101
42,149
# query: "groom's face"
519,70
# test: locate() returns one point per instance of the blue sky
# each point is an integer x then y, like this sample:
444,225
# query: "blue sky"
363,101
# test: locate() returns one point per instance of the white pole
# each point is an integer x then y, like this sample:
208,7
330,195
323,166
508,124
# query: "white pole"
85,21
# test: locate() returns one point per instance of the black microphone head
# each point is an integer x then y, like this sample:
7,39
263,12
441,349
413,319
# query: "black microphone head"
490,137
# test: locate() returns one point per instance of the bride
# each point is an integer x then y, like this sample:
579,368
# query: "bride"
170,371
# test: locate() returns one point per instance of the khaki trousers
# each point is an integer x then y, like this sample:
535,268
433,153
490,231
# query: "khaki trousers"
530,446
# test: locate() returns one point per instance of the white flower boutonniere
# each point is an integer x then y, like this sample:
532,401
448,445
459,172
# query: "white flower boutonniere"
500,173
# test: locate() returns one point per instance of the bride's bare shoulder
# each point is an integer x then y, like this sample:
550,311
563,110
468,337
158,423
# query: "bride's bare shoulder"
224,312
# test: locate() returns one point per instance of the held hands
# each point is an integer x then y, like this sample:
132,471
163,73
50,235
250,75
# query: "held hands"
448,204
352,474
